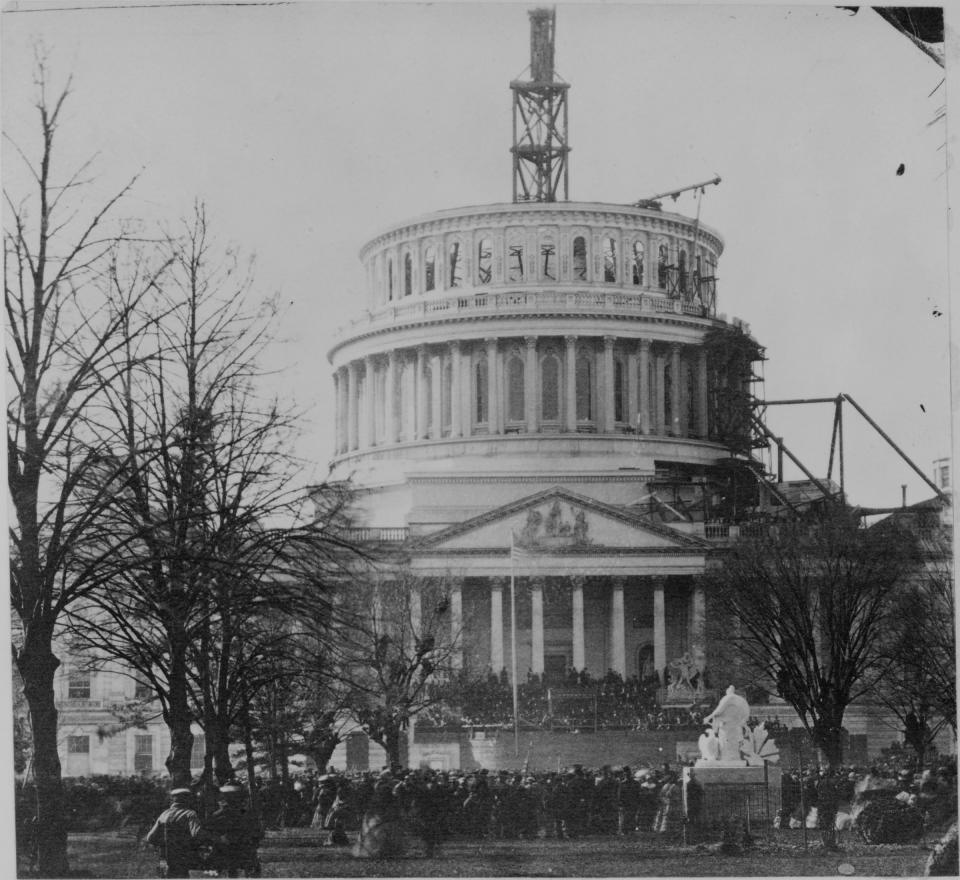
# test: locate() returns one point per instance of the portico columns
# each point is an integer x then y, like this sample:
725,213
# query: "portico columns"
618,656
530,384
496,625
571,383
609,412
351,406
456,397
579,646
536,625
659,627
644,399
456,623
421,391
676,380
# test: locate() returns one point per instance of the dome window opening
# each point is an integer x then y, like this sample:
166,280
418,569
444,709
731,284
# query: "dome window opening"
480,392
548,261
682,272
407,275
618,391
484,261
516,270
584,387
580,258
390,279
609,260
455,265
663,262
637,263
550,388
430,269
515,390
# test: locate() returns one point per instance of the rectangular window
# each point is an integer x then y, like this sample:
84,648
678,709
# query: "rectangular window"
143,691
143,753
78,745
548,256
945,476
516,262
78,685
609,260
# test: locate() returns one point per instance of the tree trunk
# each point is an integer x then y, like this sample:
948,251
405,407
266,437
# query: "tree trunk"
829,740
37,665
391,742
178,715
251,760
221,755
321,754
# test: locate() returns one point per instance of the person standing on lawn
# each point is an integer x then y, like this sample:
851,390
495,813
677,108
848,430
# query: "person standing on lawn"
236,834
177,835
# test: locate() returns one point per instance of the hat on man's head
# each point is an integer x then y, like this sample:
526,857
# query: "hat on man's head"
231,789
178,794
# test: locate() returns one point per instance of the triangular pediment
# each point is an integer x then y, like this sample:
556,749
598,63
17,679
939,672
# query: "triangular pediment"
558,521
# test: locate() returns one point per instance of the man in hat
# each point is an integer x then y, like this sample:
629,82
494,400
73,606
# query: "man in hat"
177,835
236,834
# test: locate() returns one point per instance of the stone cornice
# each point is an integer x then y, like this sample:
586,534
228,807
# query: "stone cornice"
417,552
511,479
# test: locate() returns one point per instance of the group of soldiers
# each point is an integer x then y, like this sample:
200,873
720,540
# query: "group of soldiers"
225,841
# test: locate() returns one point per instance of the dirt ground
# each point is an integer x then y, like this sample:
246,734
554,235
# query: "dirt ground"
301,853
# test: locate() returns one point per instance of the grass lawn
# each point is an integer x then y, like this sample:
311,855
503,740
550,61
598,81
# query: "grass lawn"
300,853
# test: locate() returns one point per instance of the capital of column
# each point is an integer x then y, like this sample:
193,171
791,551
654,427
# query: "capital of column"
531,341
608,342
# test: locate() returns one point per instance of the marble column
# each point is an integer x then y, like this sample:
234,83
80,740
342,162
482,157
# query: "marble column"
579,642
702,392
536,625
391,424
369,401
352,419
456,623
493,387
607,383
421,393
676,382
643,404
496,625
456,397
571,383
618,656
436,396
530,384
659,626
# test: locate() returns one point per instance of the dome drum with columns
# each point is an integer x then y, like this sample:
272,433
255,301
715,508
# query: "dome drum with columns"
527,373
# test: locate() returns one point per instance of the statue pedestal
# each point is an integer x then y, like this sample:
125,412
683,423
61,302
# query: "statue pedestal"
731,789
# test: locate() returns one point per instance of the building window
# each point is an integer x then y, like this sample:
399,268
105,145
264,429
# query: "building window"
548,261
481,389
609,260
484,261
407,275
390,278
550,388
515,399
682,264
78,685
430,269
637,263
143,753
78,745
143,690
618,391
668,379
580,258
584,387
944,476
455,265
515,272
662,261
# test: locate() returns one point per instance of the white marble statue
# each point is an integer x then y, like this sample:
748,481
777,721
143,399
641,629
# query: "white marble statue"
729,720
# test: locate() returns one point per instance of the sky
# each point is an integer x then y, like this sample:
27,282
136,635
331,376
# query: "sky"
307,128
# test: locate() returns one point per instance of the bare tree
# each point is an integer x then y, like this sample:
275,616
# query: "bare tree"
806,608
68,302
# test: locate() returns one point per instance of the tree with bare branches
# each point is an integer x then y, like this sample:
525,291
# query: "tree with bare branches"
805,610
73,283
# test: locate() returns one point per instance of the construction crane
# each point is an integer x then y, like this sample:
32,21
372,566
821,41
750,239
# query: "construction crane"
653,201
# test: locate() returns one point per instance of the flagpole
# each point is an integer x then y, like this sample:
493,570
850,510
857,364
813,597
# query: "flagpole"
513,646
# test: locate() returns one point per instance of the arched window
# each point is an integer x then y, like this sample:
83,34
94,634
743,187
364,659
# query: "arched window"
609,260
662,261
579,258
455,264
484,261
390,278
548,260
430,269
407,275
682,266
584,386
482,411
515,270
550,388
637,263
515,396
619,393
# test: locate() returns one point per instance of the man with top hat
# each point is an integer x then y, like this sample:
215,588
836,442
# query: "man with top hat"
177,835
236,834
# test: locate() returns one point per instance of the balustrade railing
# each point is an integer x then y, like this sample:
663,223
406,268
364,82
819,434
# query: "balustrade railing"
377,535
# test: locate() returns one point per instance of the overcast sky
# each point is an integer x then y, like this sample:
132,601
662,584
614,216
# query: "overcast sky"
308,127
